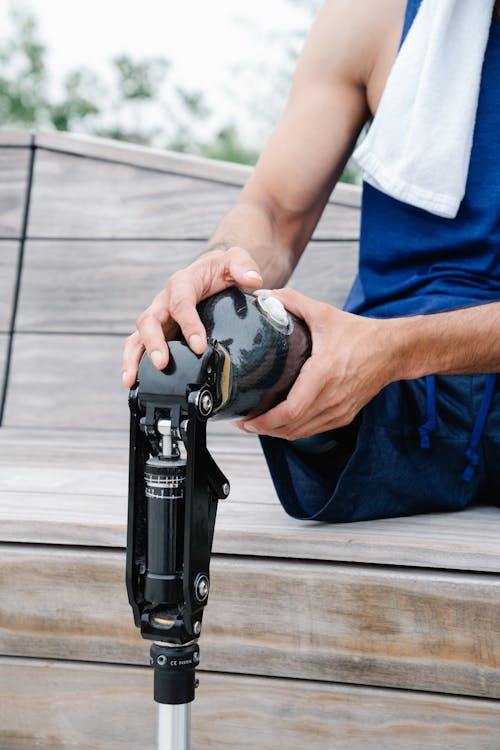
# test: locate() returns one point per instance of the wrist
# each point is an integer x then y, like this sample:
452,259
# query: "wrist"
414,347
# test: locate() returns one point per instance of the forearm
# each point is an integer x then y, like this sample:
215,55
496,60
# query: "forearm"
253,226
459,342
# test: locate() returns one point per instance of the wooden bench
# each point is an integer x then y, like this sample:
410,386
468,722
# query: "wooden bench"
383,634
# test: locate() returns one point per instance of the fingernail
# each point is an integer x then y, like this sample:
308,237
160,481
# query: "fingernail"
249,428
195,342
253,275
124,377
157,358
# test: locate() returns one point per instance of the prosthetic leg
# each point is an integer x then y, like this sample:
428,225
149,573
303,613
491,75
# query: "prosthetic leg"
175,484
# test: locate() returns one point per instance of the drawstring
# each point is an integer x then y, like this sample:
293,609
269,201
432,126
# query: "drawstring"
425,430
471,453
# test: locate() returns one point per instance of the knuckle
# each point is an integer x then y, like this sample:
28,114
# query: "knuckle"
129,342
293,411
177,305
210,255
142,318
176,278
344,416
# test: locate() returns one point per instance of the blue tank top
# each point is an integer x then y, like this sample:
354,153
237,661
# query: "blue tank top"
412,262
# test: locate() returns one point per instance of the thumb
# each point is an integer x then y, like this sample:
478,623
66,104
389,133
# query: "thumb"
295,302
245,271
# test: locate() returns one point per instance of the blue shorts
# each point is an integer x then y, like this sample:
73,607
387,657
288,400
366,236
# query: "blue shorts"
425,445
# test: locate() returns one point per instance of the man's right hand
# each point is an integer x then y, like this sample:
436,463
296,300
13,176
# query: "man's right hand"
175,306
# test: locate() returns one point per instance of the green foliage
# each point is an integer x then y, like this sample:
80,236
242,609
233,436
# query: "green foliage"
123,109
23,76
351,173
139,80
78,103
227,146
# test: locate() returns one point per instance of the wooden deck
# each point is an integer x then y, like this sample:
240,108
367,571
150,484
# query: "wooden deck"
383,634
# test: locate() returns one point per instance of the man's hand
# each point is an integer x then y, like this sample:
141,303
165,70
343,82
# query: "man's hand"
175,306
351,361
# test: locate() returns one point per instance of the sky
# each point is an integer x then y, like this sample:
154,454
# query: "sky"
233,51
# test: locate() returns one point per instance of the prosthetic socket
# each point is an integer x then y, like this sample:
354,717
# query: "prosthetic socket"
255,351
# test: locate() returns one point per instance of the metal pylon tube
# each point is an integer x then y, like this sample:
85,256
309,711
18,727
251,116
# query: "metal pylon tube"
174,726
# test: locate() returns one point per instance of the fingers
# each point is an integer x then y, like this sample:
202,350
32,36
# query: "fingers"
152,336
297,410
295,302
176,305
133,350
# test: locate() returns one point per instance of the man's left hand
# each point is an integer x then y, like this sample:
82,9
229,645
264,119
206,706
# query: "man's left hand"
351,361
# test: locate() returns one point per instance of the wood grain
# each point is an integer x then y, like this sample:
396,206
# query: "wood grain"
13,184
69,487
62,705
81,197
15,137
62,292
326,271
9,253
167,161
390,627
66,381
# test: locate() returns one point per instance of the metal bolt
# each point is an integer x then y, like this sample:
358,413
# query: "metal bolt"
196,658
206,403
161,660
201,587
226,488
197,627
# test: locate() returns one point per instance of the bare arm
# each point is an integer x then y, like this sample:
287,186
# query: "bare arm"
460,342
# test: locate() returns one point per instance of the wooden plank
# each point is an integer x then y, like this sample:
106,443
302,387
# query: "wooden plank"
62,292
9,252
13,184
326,271
76,382
63,705
72,490
249,527
168,161
15,137
162,160
390,627
81,197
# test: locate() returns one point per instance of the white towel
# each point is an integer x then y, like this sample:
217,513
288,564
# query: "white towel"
418,147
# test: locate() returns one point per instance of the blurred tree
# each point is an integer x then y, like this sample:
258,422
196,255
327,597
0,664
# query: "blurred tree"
23,75
140,103
140,80
80,89
227,146
137,106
